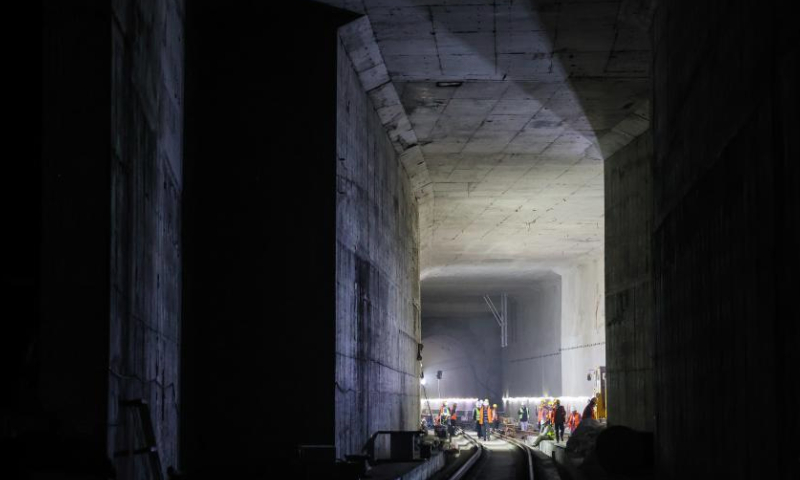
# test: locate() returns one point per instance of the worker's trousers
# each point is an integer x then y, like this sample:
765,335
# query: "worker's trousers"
559,432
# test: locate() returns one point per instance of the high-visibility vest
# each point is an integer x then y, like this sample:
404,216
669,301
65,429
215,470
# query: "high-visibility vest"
453,415
574,420
444,412
523,411
486,414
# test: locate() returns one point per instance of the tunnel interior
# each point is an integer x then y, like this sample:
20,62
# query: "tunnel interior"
268,222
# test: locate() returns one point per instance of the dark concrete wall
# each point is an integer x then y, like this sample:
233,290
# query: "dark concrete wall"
377,275
146,189
725,246
629,287
532,360
259,219
71,343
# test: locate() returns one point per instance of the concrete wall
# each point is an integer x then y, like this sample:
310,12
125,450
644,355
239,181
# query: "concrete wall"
467,351
110,231
377,275
259,229
582,342
532,360
725,257
629,296
146,177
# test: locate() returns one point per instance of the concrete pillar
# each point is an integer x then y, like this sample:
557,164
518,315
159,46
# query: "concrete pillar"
629,287
725,256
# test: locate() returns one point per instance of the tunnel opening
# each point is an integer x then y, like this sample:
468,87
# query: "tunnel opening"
256,228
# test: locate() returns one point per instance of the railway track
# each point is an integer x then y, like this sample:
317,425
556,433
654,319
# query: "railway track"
502,458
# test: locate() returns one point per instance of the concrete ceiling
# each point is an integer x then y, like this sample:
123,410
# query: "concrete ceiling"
549,88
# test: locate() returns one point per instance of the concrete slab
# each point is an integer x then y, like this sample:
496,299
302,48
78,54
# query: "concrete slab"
421,470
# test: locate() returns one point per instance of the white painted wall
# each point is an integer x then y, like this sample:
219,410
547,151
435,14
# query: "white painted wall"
583,318
531,362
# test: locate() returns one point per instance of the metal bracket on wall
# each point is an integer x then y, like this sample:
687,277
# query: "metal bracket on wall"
500,316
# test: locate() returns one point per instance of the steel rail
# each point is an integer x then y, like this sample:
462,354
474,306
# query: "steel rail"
525,448
458,474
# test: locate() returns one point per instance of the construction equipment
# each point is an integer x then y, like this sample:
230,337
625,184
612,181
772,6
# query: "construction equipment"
598,375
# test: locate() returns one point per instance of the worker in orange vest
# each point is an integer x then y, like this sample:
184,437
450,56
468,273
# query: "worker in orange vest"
574,420
540,412
453,417
546,414
495,417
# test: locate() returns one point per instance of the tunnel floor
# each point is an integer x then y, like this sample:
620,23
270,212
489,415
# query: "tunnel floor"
500,461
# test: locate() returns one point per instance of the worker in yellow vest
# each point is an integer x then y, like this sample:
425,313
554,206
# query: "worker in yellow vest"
485,419
444,414
476,414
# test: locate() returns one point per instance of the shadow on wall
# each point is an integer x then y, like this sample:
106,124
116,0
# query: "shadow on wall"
469,361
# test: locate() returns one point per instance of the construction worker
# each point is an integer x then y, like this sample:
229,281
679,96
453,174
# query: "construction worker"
545,434
540,414
559,419
453,417
495,418
484,418
546,411
476,417
524,413
574,420
444,414
588,412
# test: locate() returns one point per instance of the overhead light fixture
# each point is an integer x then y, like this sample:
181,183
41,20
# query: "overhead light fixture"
448,84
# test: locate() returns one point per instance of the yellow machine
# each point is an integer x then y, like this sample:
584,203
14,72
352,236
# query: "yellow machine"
599,377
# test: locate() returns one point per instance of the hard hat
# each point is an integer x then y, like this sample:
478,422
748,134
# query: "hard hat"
486,400
494,405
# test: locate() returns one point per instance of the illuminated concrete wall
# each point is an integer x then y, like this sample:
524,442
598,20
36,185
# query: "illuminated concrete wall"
377,275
